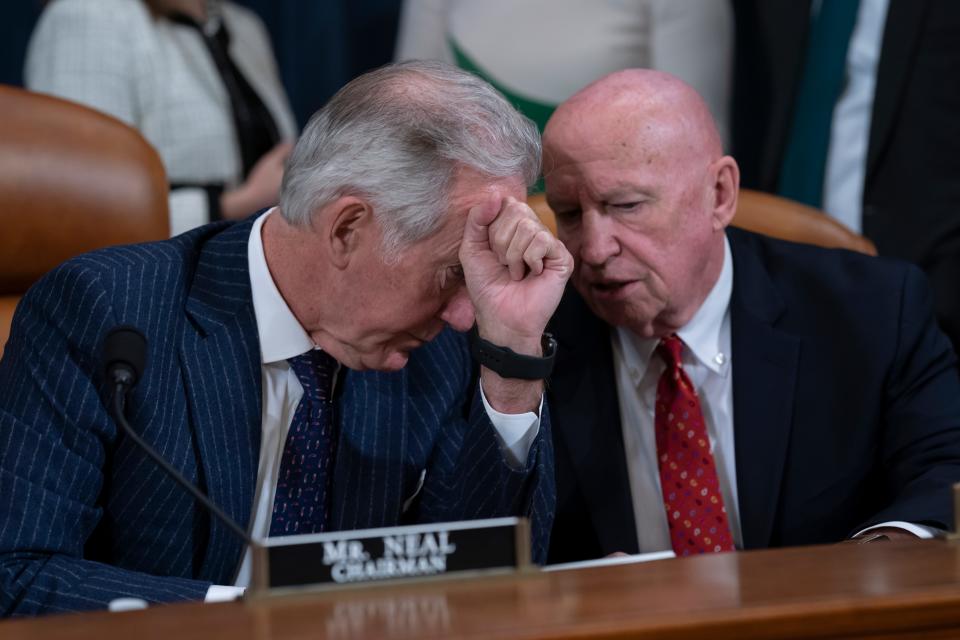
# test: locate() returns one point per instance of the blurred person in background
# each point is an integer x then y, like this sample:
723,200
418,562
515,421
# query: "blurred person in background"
851,106
539,52
197,78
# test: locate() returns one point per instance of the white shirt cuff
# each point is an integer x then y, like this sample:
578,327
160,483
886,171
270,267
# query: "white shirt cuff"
223,593
919,530
515,431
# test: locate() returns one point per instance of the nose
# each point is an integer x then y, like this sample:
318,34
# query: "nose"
459,312
598,243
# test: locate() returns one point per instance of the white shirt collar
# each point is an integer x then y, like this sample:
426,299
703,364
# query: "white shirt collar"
281,336
702,334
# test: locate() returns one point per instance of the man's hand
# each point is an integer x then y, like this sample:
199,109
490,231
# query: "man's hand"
261,188
515,271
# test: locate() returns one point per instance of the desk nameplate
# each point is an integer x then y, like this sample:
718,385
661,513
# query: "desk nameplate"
325,560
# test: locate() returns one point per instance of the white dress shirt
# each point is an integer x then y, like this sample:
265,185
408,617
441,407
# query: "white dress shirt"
282,337
708,361
852,115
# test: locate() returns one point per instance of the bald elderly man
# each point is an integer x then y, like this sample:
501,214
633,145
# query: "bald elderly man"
717,389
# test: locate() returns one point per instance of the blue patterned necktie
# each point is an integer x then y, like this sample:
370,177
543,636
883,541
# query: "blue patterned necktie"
303,483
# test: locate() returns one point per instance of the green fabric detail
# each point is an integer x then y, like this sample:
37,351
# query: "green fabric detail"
803,170
539,112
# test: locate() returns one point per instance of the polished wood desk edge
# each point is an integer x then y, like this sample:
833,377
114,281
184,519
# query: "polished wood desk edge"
881,615
859,613
907,598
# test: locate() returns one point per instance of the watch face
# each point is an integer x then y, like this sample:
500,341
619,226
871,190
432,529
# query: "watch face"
549,345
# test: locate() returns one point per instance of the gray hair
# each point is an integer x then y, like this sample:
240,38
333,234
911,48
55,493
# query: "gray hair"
397,137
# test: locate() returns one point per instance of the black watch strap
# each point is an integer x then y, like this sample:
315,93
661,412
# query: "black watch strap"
507,363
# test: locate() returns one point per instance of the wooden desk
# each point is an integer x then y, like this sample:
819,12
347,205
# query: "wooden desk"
882,590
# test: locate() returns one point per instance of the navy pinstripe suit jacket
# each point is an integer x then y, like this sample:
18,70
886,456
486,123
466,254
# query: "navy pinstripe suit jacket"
86,517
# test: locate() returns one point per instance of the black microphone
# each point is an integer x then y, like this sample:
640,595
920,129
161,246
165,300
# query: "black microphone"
124,358
124,355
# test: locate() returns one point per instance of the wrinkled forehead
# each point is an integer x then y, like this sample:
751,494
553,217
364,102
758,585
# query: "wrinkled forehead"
637,151
664,118
471,188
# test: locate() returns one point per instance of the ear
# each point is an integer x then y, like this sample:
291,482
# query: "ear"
726,186
351,225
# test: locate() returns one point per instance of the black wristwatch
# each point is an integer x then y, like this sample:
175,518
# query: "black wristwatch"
508,363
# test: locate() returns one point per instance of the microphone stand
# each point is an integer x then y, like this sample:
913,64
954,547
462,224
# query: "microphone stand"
118,413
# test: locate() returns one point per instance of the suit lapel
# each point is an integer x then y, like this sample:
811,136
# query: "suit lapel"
765,362
587,417
372,418
900,42
221,365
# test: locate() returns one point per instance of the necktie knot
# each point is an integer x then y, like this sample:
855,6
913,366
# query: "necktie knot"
669,350
314,369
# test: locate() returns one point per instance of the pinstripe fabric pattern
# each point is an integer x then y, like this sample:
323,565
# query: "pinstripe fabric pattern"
87,518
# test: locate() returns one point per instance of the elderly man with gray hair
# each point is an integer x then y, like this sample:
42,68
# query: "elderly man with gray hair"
307,368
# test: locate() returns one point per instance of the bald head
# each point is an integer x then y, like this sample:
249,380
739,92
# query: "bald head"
635,171
639,107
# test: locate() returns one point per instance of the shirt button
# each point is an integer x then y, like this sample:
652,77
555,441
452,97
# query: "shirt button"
720,358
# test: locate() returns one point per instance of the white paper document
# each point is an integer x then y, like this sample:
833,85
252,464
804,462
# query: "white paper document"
612,560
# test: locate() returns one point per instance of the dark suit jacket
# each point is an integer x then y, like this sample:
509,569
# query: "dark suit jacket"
911,198
86,517
846,405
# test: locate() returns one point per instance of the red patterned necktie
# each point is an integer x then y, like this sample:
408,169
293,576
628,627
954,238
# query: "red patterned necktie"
688,476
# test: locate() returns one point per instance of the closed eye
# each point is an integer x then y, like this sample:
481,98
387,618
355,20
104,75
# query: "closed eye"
625,206
451,276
